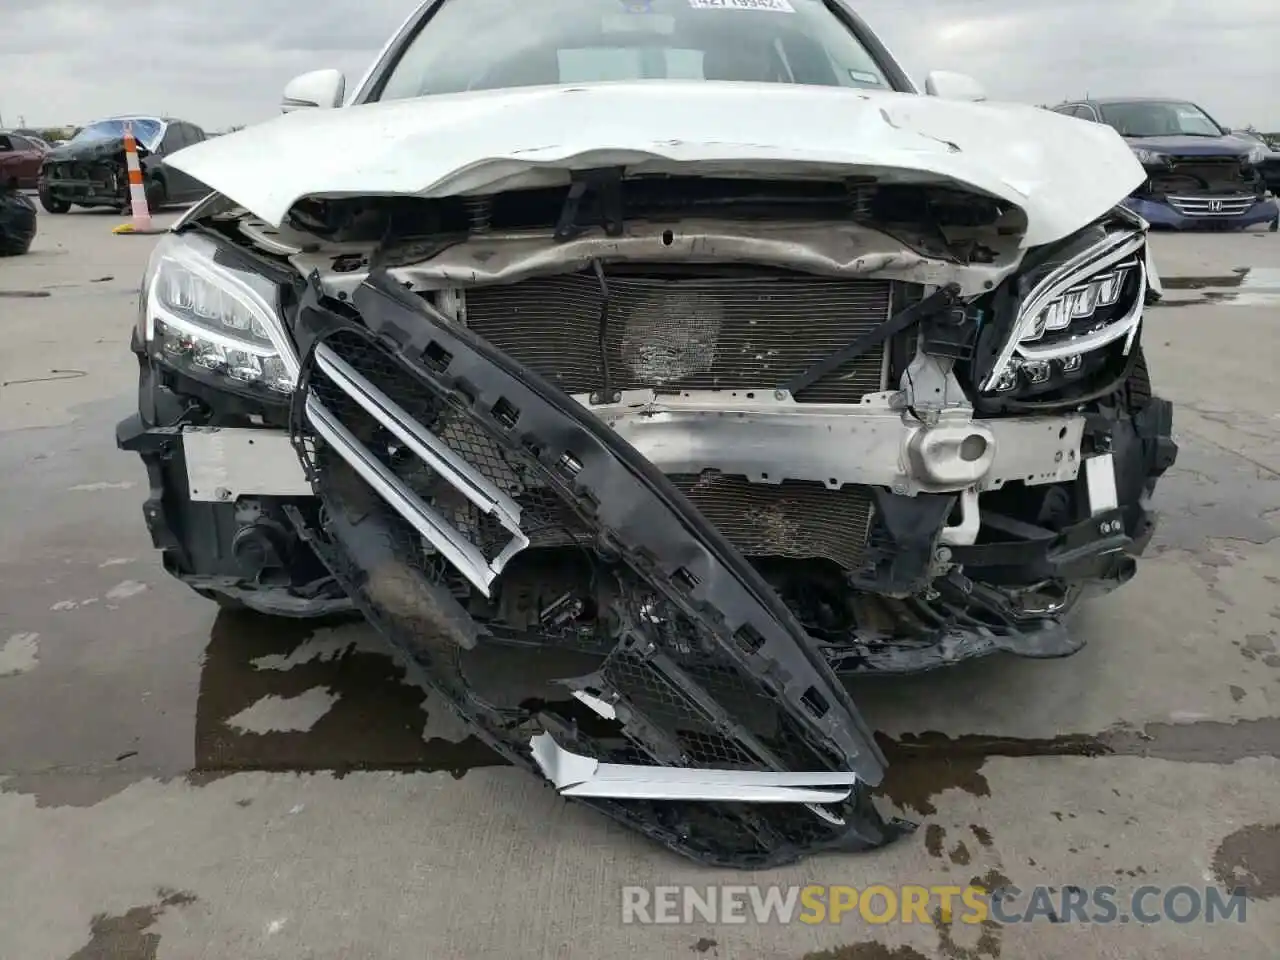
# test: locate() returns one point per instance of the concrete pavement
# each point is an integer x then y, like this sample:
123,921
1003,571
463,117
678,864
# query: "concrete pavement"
180,783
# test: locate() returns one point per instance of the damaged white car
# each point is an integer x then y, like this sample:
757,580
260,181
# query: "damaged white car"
640,368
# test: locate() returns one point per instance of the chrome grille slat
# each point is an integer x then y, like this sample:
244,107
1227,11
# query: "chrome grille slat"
442,535
1190,206
736,333
428,447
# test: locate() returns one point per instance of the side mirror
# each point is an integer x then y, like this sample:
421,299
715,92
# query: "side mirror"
319,88
953,86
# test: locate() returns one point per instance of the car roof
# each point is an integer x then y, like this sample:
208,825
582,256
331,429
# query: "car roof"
1106,100
134,116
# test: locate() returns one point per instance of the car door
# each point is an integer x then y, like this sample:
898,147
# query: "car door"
197,190
177,183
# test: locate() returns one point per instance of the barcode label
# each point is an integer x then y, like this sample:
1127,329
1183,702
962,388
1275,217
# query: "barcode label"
775,6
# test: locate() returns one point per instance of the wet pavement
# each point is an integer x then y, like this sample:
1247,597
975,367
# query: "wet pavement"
180,782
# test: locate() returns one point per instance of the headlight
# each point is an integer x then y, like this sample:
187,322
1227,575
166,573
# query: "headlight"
1149,158
215,319
1257,154
1073,308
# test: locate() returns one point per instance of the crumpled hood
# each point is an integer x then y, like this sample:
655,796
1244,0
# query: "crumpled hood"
1184,146
1061,172
99,149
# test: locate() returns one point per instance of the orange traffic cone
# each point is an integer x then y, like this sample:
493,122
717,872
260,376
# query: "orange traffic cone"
137,191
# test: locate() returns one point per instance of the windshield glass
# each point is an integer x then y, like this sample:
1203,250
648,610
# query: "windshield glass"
491,44
147,132
1146,118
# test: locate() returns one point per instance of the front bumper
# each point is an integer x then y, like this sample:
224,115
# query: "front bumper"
1163,213
201,477
215,533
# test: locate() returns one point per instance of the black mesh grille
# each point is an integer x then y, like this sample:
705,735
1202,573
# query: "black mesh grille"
724,333
545,519
693,704
1198,174
796,518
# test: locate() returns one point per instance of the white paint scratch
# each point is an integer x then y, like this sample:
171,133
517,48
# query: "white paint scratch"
122,591
115,562
104,485
65,605
20,654
298,808
275,714
275,926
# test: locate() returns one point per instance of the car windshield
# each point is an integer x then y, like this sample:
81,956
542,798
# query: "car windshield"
146,131
1149,118
492,44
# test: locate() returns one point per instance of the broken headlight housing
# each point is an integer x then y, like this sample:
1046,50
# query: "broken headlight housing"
1072,307
212,317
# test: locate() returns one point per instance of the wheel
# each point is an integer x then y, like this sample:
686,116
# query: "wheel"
157,195
52,204
17,223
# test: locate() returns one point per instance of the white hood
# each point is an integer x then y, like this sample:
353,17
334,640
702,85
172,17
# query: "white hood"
1062,172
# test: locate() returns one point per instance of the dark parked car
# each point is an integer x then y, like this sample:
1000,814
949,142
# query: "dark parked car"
17,222
89,170
1270,165
1198,173
20,160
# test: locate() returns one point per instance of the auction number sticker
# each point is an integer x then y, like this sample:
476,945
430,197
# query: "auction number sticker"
776,6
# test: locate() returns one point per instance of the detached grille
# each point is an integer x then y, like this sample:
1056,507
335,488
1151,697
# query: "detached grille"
721,333
1212,206
365,413
795,519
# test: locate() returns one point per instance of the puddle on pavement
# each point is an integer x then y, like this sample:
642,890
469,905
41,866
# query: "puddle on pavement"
921,766
867,950
1250,857
1245,287
127,936
375,719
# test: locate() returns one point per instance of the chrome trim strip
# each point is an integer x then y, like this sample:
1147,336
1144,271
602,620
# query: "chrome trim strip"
435,452
1204,206
575,775
434,528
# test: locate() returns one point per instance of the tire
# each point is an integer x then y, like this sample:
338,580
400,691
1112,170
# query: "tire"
17,223
52,205
157,194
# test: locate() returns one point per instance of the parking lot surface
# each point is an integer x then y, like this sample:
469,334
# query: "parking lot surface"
177,782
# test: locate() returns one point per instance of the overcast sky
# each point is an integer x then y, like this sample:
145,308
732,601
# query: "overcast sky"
223,62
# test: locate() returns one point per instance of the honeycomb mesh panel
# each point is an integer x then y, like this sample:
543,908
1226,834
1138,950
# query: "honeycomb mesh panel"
717,710
796,518
545,518
726,333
